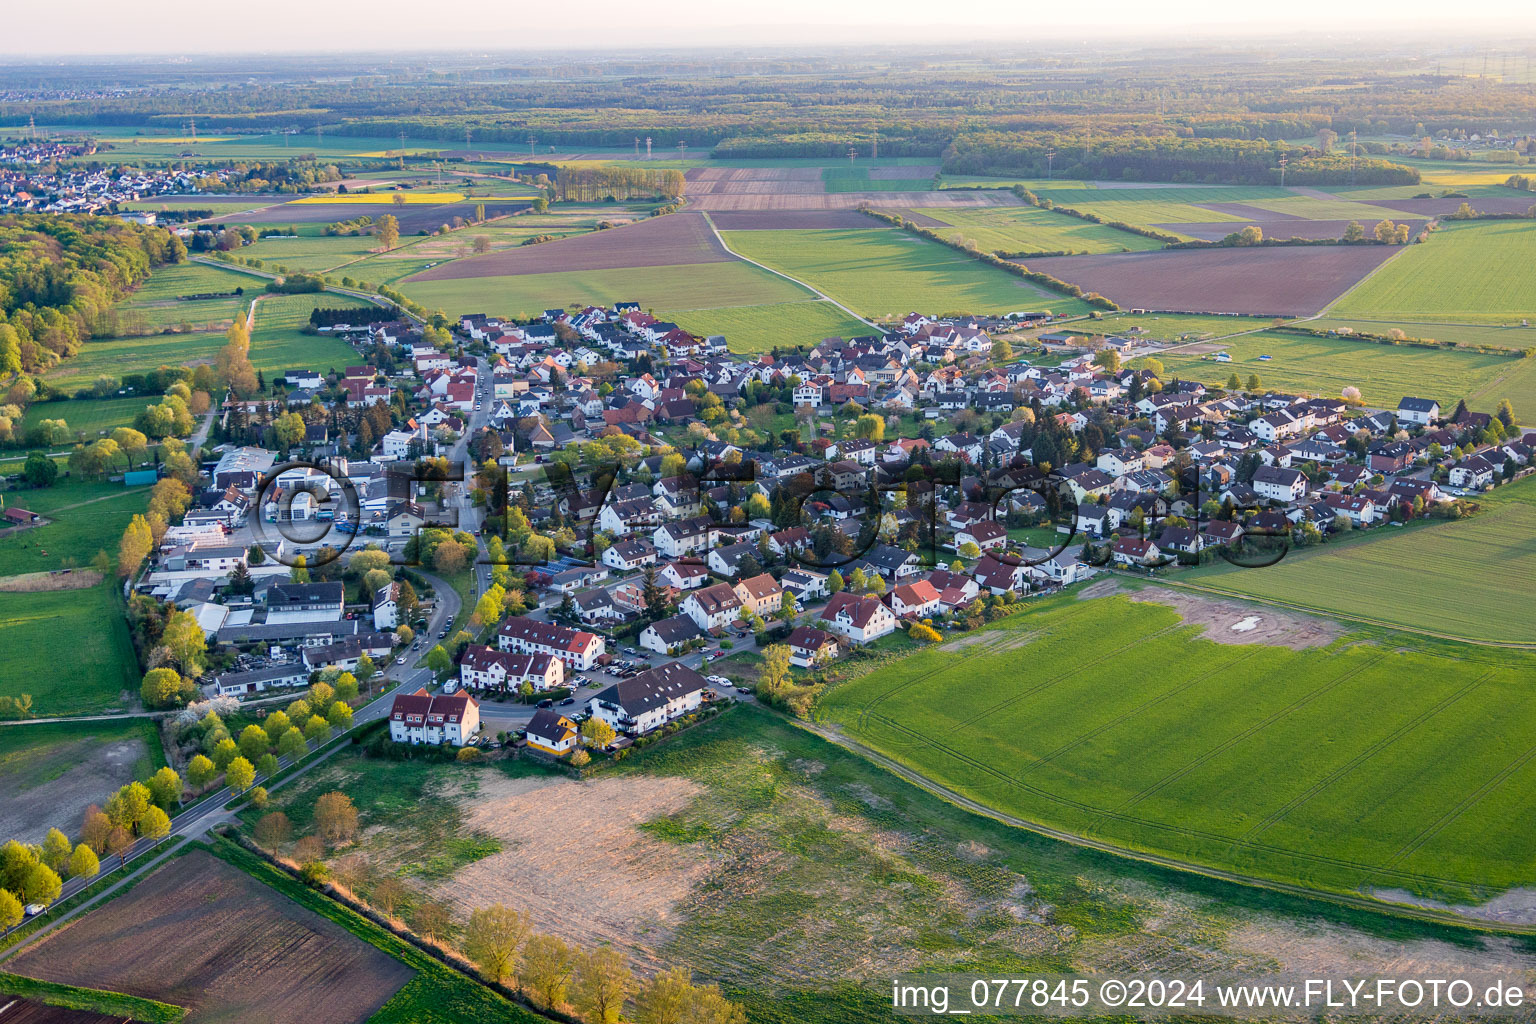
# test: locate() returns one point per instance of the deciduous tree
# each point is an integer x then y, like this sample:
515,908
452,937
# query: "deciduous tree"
240,775
273,830
493,938
335,816
601,983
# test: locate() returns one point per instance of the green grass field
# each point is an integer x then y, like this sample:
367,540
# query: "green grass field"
857,179
88,517
1031,229
89,417
69,650
752,329
1383,373
1473,578
154,306
694,286
884,272
218,204
1355,765
158,303
311,253
278,342
1463,273
114,357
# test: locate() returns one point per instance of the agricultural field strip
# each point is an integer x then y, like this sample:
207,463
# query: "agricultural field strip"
1253,730
1303,700
920,739
1465,804
1365,755
720,239
1009,702
1390,563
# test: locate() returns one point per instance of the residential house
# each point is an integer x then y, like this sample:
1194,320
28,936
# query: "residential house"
860,618
645,702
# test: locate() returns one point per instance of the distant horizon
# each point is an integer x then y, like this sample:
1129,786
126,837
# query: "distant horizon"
180,30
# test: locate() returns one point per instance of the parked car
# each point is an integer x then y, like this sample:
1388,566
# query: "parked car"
747,690
568,702
400,660
546,703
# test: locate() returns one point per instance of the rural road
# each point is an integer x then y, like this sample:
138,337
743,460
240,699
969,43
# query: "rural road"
779,273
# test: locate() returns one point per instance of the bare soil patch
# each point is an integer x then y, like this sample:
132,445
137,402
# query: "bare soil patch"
40,582
679,238
573,857
1259,282
52,785
1230,622
1515,906
25,1011
200,934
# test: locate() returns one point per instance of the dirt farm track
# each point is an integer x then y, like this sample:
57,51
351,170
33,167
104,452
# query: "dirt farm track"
198,933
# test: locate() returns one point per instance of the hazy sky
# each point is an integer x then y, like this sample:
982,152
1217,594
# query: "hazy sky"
170,27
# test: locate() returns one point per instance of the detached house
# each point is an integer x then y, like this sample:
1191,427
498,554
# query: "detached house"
1276,484
810,647
914,600
552,733
711,607
860,618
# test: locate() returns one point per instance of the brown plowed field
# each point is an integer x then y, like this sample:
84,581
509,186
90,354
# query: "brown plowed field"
1262,282
668,241
1441,207
786,220
199,933
1277,228
852,200
25,1011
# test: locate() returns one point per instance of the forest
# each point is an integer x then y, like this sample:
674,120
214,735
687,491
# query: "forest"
812,105
1165,158
60,272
